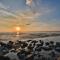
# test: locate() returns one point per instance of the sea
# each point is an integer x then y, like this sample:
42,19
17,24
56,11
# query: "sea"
23,36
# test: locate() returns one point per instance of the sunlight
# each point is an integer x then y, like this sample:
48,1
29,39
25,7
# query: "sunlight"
18,28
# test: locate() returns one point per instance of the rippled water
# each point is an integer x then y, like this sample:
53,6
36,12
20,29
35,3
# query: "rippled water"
27,36
55,39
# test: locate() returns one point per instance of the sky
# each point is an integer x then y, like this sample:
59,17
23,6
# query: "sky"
30,15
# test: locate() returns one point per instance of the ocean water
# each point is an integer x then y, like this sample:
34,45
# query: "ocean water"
54,38
45,36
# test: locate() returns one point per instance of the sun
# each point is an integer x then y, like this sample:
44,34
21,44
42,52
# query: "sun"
18,28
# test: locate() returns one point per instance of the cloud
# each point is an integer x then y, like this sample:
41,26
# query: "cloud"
4,12
2,6
22,18
28,2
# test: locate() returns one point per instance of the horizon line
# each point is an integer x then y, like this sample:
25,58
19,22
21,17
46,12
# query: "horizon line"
29,31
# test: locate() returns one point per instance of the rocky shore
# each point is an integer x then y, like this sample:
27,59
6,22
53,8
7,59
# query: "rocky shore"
30,50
